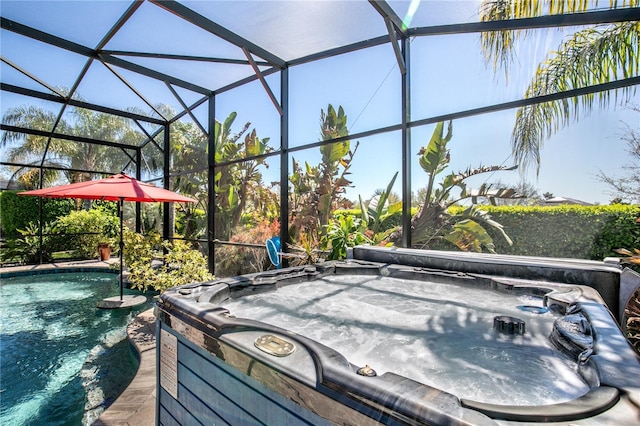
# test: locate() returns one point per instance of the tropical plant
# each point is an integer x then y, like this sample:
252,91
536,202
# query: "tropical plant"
189,146
632,310
433,223
305,249
29,248
318,190
377,211
141,248
632,316
342,232
244,259
17,211
238,185
591,56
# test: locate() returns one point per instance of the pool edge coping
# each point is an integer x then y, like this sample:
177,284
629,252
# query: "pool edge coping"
136,405
53,268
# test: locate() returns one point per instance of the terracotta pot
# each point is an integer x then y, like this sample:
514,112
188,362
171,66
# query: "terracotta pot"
105,251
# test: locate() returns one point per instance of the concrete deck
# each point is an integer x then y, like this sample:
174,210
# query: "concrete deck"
136,405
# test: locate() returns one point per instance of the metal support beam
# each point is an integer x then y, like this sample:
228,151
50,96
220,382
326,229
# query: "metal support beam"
32,77
16,27
27,31
393,24
390,15
396,49
211,196
182,57
78,104
186,108
167,208
46,133
134,90
406,145
548,21
218,30
139,178
262,80
61,169
148,72
284,164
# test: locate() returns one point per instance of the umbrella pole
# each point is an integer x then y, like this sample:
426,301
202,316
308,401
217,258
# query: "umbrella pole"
121,249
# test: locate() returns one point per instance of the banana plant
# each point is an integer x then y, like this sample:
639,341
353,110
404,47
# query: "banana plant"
375,213
433,222
236,184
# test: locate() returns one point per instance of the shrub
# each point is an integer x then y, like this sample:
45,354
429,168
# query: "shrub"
343,232
583,232
17,212
237,260
180,265
27,248
85,229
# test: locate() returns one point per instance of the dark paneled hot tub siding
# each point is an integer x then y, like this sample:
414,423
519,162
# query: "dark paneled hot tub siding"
212,393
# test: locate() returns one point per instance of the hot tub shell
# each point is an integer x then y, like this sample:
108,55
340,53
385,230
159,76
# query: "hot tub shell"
214,368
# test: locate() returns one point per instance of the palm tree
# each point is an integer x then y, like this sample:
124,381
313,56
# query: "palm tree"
591,56
29,149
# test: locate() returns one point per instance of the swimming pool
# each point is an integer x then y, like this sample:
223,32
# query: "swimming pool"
63,360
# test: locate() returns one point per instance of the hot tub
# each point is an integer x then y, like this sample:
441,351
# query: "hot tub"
399,336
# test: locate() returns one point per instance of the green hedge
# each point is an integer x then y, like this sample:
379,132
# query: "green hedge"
17,211
582,232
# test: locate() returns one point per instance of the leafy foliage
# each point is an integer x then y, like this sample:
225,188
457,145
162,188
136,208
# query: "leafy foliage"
343,232
568,231
632,326
179,266
378,213
593,55
433,224
85,229
28,248
317,190
17,211
237,260
306,249
140,248
238,185
64,154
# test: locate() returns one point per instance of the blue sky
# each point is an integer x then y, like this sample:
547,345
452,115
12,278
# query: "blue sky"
448,75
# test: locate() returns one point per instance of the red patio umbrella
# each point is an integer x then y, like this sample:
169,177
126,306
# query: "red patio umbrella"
119,188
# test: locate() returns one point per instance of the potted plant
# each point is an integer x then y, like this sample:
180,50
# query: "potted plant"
108,239
104,250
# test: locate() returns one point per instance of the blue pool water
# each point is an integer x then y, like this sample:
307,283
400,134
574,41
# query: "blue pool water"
62,360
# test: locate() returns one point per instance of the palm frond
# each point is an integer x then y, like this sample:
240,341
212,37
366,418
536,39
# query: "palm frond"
588,58
498,46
